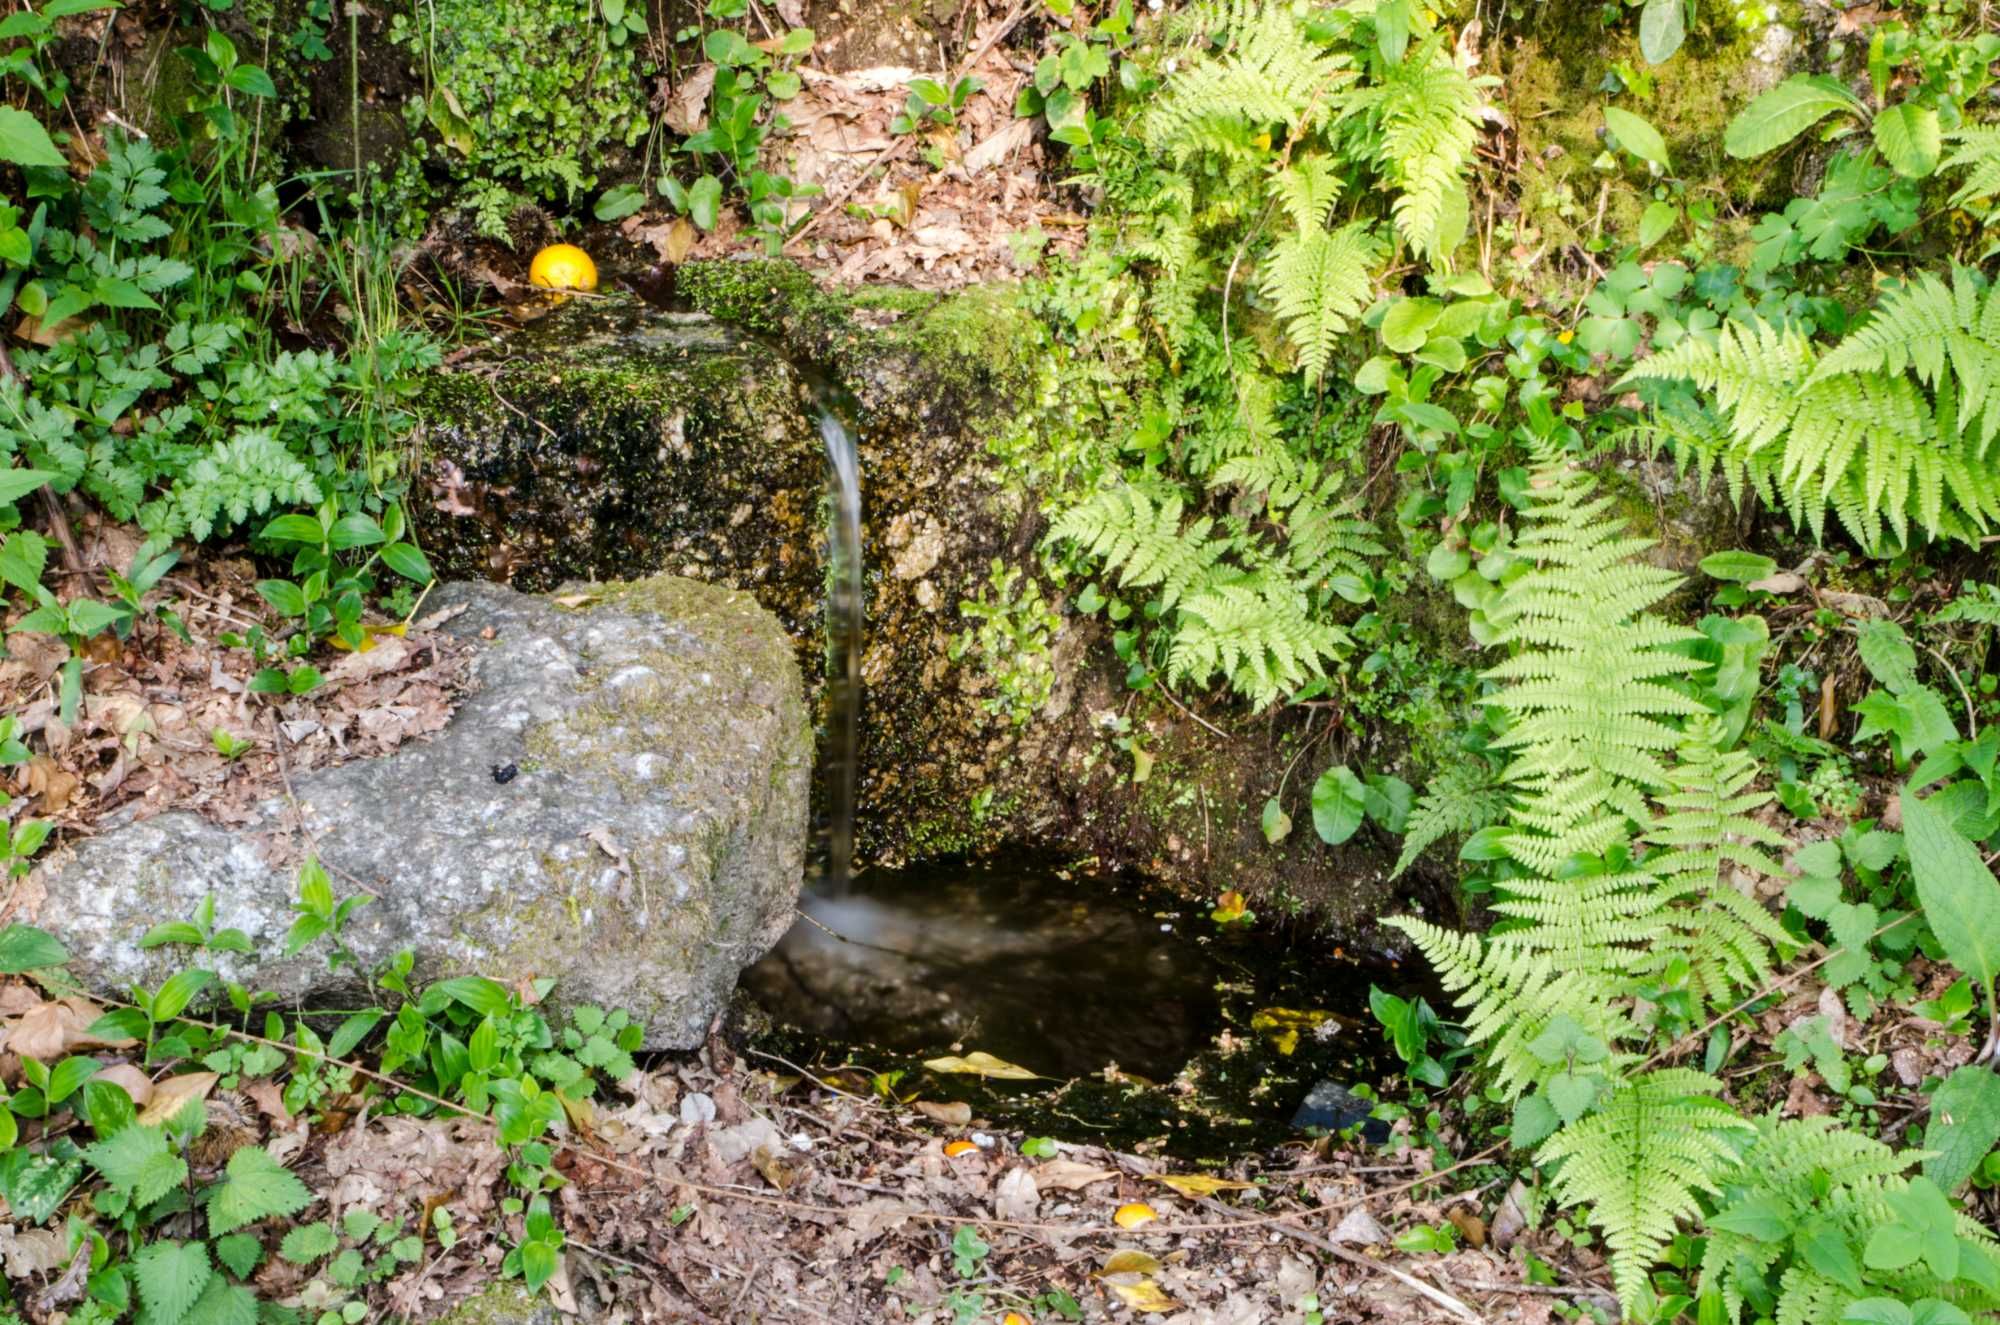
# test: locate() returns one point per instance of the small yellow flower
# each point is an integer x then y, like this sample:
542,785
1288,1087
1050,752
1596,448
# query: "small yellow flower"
1566,337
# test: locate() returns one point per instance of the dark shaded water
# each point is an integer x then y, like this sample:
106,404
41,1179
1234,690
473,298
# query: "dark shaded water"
1141,1016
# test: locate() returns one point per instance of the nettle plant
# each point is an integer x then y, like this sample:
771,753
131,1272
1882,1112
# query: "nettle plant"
1621,935
171,1217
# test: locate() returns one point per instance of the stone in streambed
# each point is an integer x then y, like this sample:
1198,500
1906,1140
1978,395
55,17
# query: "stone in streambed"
650,846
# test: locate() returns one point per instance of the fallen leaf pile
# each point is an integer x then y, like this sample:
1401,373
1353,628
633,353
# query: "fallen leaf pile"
957,206
145,736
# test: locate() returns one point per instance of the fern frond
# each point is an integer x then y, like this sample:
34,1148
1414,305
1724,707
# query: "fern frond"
1274,75
1895,426
1642,1162
1978,154
1430,115
1509,994
1463,798
1706,826
1589,690
1318,281
1142,541
1258,632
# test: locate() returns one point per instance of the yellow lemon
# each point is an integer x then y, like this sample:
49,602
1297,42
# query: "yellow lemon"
563,267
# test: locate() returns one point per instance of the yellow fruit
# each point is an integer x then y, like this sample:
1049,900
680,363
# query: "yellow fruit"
1015,1318
1134,1213
953,1149
563,267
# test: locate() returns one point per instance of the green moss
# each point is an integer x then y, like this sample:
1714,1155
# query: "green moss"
503,1302
1556,79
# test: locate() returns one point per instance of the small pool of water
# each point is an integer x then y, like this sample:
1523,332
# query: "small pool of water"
1141,1016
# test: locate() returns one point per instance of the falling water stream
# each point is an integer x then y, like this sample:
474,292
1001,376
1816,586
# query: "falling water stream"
845,619
1091,984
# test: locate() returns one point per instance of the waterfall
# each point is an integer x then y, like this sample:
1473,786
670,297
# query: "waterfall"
845,615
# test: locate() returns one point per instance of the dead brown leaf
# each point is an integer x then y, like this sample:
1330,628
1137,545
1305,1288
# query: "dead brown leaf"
173,1093
1069,1175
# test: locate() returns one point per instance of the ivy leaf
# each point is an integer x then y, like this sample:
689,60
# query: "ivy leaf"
1338,802
139,1162
1910,140
258,1187
1787,111
171,1276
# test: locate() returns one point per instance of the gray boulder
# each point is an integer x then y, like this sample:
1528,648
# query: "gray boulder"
648,847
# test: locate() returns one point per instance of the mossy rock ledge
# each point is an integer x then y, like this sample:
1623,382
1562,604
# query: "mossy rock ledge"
620,803
611,438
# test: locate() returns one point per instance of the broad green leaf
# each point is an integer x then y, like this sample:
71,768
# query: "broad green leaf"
1276,823
18,483
1338,803
1662,29
258,1187
25,142
705,201
171,931
1656,221
294,529
486,997
1637,135
178,992
1909,139
1737,567
1888,655
1787,111
356,530
1823,1244
1961,898
1964,1125
25,948
139,1162
171,1276
408,561
619,202
287,597
1407,324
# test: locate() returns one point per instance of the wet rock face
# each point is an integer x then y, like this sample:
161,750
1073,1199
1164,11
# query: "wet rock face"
611,439
620,804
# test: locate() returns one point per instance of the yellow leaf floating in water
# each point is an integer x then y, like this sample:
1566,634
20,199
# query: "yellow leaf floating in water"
980,1064
1230,909
1144,1296
1134,1213
1284,1024
1128,1262
1200,1184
